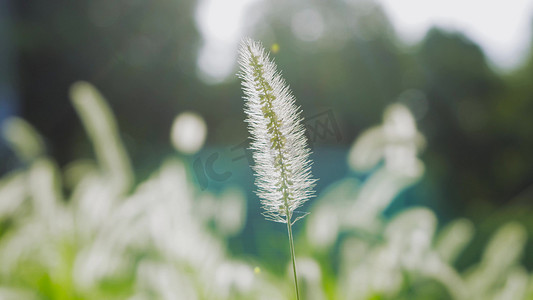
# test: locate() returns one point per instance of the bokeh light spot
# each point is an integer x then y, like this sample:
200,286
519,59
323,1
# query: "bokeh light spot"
188,132
308,25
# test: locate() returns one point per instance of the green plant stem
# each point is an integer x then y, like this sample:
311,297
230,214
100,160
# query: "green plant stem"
293,258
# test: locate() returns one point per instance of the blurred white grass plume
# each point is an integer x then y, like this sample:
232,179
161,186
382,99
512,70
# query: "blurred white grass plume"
311,278
100,124
397,141
453,239
23,139
13,192
500,259
227,210
188,132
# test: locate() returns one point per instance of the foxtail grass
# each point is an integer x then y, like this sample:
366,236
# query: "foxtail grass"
281,154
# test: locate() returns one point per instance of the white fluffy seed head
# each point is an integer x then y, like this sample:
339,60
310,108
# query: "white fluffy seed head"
281,155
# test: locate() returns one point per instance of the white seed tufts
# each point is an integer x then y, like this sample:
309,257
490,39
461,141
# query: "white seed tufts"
281,155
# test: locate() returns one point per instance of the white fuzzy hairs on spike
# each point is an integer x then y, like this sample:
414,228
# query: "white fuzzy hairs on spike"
279,144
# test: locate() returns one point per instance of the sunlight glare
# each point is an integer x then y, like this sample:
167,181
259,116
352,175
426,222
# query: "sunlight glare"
502,28
221,26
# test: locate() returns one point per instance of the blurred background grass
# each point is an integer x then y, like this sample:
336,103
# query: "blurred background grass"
345,61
